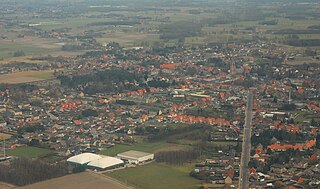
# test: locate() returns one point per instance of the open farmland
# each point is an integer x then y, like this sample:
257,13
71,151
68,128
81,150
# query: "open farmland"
26,77
28,152
218,23
30,46
79,181
6,186
157,176
5,136
150,147
25,59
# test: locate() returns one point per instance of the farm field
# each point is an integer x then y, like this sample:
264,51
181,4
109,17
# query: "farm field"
4,136
30,46
304,116
25,59
28,152
150,147
129,39
147,32
157,176
80,181
6,186
26,77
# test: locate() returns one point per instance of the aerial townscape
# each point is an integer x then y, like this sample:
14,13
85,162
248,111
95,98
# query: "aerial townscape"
166,94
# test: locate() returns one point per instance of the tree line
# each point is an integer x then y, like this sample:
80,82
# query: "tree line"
178,30
192,132
303,42
102,81
265,137
22,171
30,129
177,157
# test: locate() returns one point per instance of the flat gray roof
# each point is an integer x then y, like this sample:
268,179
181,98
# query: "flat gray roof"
134,154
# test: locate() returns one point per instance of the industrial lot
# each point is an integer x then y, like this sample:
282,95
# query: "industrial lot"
102,163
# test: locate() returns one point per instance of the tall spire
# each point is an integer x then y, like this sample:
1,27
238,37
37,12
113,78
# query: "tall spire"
289,97
233,69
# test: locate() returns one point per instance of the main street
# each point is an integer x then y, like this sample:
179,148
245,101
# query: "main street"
246,145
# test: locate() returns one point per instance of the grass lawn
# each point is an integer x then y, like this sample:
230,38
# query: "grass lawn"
144,146
223,143
157,176
305,116
52,158
28,152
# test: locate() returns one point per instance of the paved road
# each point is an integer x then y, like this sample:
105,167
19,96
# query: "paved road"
246,146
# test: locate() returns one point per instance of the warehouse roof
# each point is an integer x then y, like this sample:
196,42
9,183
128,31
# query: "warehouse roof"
83,158
133,154
105,162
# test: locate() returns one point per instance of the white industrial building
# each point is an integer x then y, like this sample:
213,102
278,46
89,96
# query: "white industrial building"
96,162
105,162
135,157
83,158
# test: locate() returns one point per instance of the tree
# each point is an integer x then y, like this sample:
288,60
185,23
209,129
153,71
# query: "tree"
89,112
318,141
310,52
289,107
269,151
21,171
278,184
275,99
78,169
18,53
291,121
191,71
34,142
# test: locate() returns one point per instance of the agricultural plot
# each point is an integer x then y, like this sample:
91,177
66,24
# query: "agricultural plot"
25,59
29,45
26,77
146,32
144,146
4,136
6,186
28,152
79,181
157,176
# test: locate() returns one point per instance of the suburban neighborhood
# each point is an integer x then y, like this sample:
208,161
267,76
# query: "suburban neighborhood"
161,114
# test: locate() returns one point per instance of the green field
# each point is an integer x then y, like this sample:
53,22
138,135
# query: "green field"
305,116
144,146
27,76
28,152
157,176
34,46
8,51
